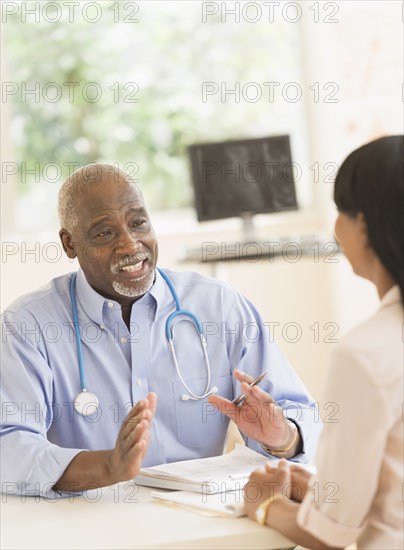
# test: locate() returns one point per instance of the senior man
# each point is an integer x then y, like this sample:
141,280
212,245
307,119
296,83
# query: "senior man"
86,356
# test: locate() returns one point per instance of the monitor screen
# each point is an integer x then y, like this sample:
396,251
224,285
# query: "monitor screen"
233,178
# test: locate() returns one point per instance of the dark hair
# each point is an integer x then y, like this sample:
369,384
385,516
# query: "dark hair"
371,181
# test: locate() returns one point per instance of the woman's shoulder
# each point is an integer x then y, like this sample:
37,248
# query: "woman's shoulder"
383,329
375,345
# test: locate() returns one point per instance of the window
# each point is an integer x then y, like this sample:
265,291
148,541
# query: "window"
134,84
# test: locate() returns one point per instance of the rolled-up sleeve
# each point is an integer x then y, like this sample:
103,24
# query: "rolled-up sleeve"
350,452
30,464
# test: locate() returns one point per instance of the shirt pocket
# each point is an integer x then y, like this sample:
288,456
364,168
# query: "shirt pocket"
199,424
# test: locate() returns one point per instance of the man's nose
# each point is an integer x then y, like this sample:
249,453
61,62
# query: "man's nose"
127,244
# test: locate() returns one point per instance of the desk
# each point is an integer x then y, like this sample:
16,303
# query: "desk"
291,249
123,516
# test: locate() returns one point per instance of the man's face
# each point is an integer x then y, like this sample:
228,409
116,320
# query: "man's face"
114,240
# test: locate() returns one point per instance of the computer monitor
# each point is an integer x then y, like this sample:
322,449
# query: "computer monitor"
242,177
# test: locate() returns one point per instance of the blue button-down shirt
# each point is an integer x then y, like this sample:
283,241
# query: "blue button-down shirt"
41,432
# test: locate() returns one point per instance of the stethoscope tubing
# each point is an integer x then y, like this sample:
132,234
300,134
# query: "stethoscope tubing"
77,332
170,338
169,335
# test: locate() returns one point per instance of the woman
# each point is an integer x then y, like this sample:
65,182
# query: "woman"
356,495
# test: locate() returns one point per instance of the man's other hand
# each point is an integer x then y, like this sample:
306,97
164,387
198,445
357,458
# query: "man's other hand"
259,417
133,440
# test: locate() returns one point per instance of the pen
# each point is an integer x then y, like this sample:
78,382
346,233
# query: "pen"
238,401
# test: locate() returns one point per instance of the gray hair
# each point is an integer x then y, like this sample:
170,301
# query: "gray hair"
78,182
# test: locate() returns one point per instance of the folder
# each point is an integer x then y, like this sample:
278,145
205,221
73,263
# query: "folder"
217,474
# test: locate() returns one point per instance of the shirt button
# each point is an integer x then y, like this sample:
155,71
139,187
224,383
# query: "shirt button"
139,382
110,304
102,327
124,340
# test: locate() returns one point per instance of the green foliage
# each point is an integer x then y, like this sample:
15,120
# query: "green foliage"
168,54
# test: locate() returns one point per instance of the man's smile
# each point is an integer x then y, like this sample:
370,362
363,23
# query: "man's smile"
136,271
133,267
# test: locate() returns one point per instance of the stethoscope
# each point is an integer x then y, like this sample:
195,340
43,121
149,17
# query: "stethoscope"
86,403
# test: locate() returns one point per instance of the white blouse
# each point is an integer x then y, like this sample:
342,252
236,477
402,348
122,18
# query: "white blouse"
357,494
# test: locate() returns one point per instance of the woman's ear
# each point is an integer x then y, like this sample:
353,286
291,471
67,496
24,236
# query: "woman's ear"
363,230
67,243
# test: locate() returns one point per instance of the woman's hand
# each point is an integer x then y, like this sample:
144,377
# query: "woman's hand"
273,481
300,478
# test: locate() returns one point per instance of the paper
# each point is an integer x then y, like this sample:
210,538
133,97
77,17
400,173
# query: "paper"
207,475
229,504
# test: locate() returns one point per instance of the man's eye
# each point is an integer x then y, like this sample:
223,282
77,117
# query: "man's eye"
139,223
105,233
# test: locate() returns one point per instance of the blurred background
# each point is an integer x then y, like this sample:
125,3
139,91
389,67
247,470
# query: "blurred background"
136,83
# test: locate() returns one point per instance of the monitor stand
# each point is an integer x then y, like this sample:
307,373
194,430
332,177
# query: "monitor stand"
248,228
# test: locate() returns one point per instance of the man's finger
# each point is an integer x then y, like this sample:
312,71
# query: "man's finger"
131,424
152,399
242,376
140,433
261,395
136,409
258,398
225,406
136,455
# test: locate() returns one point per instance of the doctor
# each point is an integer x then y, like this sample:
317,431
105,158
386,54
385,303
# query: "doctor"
85,357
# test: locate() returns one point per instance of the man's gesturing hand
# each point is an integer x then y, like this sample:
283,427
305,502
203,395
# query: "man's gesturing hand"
133,440
259,417
92,469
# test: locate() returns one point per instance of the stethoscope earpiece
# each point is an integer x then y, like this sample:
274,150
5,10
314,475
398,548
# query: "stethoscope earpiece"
186,397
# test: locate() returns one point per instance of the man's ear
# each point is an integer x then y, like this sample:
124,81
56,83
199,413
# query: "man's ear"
363,229
67,243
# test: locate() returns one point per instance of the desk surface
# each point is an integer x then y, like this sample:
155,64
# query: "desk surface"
291,248
123,516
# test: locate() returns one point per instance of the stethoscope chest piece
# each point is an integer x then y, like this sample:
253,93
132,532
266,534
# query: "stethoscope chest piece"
86,403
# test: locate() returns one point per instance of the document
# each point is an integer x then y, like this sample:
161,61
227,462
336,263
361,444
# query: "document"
229,504
217,474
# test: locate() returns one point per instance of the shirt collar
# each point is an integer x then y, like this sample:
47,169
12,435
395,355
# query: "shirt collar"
160,292
94,303
392,296
90,300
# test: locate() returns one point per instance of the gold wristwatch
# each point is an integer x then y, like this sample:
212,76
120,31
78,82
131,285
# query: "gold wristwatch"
281,452
262,511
